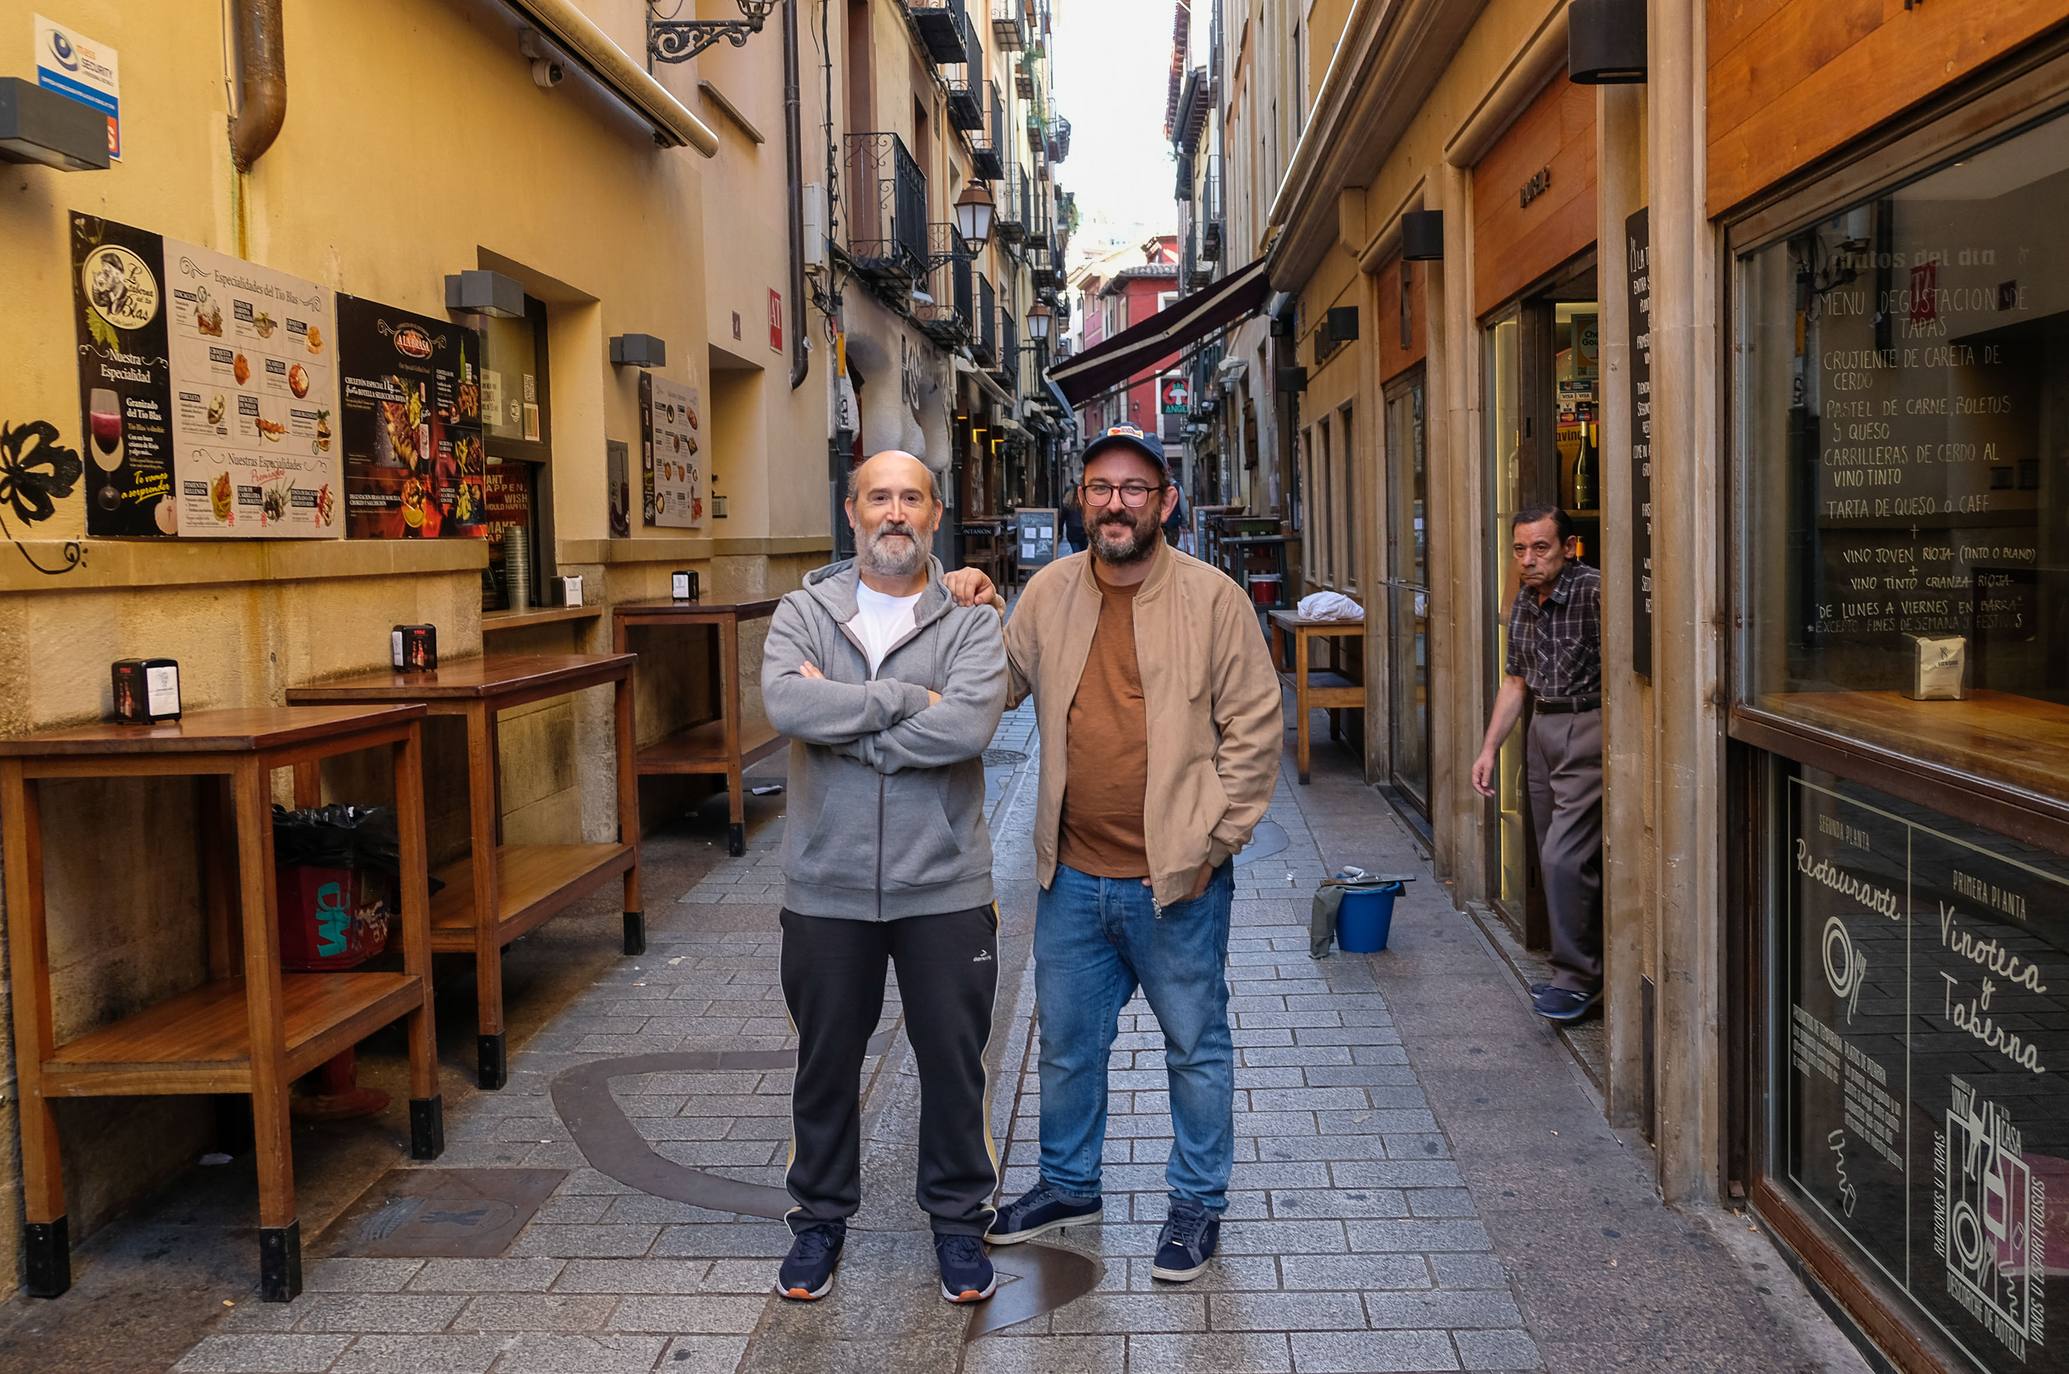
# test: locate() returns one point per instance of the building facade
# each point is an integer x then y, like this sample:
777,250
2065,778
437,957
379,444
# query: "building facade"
1767,304
677,319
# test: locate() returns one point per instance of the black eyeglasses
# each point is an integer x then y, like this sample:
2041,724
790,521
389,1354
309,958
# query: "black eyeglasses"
1133,494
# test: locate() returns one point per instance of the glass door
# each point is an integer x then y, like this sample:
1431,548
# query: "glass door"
1505,438
1408,592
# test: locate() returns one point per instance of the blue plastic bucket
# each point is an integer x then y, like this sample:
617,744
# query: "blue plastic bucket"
1365,917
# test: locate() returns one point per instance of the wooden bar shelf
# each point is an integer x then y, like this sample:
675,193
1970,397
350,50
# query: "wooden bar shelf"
250,1029
1314,689
526,884
726,746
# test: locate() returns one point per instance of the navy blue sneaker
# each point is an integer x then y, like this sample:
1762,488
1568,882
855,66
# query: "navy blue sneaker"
1186,1243
966,1272
807,1272
1561,1006
1038,1210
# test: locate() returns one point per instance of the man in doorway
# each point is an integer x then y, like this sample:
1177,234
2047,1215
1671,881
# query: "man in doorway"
1159,718
889,692
1555,656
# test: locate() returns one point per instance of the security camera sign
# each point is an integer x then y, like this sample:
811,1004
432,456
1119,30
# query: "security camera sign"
74,66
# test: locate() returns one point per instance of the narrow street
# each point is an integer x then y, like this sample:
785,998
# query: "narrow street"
1424,1180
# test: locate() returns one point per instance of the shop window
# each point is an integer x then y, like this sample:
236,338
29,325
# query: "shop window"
517,425
1920,983
1326,514
1408,595
1903,414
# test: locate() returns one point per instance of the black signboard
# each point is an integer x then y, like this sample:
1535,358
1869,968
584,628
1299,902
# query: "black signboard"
1034,537
1638,275
1926,1032
411,397
125,377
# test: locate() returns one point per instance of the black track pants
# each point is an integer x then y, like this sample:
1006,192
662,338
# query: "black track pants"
833,983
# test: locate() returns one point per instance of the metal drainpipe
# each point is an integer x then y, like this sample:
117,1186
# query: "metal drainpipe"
261,80
793,157
261,100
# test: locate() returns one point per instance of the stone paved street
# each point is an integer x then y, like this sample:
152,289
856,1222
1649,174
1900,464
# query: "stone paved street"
1423,1180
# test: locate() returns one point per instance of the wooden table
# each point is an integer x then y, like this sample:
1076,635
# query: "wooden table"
724,747
250,1028
485,906
1333,691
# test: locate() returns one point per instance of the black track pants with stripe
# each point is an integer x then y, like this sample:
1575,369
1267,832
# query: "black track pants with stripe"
833,983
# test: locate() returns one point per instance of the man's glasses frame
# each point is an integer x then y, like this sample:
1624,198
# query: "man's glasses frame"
1133,495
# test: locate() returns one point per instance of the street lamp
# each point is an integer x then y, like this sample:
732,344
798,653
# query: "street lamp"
973,215
1038,320
679,40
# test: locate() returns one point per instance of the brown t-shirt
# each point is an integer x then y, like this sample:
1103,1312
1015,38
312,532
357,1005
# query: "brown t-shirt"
1107,756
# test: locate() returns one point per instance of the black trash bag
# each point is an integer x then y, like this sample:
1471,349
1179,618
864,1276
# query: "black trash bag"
340,836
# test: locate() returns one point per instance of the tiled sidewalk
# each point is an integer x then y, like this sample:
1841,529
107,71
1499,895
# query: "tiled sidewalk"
1363,1229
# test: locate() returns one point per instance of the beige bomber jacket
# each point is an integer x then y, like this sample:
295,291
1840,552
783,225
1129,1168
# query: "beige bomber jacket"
1211,698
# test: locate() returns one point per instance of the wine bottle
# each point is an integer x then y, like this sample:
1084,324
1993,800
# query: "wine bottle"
1584,470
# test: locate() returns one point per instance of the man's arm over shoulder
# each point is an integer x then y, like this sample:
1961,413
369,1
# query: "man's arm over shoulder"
962,723
1247,718
818,710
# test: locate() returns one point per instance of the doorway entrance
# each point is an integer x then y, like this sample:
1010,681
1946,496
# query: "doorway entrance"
1543,370
1408,592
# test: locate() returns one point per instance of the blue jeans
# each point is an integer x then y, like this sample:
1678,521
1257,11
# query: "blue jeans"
1097,940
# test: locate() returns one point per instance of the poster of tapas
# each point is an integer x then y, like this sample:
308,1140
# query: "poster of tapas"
671,446
410,425
208,385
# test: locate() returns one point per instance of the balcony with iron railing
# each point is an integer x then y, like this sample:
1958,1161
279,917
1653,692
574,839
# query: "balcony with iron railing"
965,82
941,303
943,27
1059,139
887,209
984,328
987,144
1009,214
1007,364
1024,76
1212,215
1009,25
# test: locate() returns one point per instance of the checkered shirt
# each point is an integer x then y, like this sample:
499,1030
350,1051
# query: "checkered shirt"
1556,647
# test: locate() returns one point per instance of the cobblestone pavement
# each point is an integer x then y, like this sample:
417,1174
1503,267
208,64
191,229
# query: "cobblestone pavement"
1414,1190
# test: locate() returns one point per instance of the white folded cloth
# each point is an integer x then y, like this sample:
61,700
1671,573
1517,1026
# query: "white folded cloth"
1330,606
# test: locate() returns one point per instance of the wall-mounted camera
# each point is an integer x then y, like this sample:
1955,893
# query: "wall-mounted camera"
546,73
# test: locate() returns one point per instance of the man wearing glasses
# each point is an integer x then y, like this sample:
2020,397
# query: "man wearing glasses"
1161,734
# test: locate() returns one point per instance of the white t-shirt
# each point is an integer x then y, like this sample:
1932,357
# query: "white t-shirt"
881,621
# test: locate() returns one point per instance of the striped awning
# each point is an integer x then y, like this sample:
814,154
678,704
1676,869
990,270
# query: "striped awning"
1139,348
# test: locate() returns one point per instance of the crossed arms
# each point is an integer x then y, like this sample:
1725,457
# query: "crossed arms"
888,725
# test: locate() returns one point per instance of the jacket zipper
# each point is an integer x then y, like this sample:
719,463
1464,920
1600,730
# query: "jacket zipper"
911,634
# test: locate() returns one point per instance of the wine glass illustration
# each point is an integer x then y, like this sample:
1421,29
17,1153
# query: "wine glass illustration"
104,420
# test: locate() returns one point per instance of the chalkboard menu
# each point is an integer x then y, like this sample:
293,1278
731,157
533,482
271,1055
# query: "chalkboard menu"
1034,537
1638,273
1924,1032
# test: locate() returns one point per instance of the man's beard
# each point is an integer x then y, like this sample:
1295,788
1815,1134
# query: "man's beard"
1142,539
898,560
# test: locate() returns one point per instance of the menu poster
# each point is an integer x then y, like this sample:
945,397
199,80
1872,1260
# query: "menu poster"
1929,998
415,467
125,377
671,471
254,384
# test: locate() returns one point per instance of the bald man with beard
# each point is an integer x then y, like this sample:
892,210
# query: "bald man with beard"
889,692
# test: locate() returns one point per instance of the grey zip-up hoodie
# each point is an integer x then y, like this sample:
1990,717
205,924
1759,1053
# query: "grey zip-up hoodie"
886,806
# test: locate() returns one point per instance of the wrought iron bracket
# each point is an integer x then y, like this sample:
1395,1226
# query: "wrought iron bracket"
679,40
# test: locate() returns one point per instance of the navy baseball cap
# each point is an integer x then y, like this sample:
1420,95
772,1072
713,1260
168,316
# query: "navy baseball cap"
1128,436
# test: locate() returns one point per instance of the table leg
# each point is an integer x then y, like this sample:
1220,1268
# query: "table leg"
217,825
628,813
426,1105
1300,726
280,1233
736,788
483,804
496,770
48,1239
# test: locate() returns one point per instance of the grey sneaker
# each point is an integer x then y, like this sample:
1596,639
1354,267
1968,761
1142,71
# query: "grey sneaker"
1038,1210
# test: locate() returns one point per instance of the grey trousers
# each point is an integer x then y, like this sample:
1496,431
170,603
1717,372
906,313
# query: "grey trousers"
1564,768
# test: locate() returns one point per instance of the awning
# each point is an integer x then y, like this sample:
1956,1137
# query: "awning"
1062,403
1141,347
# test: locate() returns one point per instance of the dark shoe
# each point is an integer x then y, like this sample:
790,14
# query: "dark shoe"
1538,990
1186,1243
966,1272
1038,1210
1561,1006
807,1272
